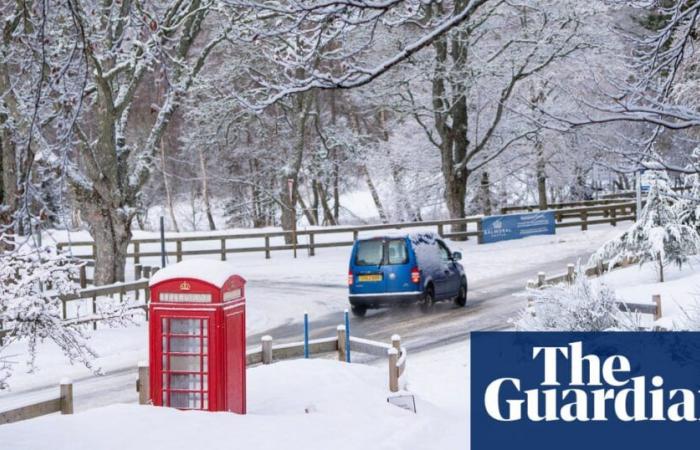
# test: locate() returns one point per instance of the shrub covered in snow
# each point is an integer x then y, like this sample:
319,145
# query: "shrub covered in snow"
659,235
581,306
30,310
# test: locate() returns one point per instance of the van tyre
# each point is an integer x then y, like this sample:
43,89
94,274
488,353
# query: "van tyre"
428,300
358,310
461,299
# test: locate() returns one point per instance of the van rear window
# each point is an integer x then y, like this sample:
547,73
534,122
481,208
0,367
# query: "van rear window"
376,252
369,253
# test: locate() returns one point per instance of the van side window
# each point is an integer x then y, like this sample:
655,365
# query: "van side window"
444,252
397,251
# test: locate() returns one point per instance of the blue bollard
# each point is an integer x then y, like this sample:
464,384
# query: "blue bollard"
347,336
306,335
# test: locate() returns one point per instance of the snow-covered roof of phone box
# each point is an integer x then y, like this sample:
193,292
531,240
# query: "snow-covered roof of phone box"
208,270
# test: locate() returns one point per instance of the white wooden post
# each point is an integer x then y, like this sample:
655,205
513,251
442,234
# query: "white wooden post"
393,370
341,342
570,273
267,349
66,389
144,384
540,279
656,298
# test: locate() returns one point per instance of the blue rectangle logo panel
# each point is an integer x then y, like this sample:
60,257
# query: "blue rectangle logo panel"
583,391
517,226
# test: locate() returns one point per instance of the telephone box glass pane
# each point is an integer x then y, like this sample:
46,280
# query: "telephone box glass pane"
185,363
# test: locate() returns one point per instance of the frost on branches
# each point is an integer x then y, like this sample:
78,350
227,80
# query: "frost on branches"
30,308
659,236
580,306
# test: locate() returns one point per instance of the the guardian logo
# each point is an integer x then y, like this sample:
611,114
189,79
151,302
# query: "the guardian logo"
593,389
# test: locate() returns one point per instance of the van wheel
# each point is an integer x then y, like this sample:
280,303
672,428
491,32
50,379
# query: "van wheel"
428,300
461,299
358,310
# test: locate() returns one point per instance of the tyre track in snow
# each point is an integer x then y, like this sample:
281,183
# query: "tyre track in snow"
490,303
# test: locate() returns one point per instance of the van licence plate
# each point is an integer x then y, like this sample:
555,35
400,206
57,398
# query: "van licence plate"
374,277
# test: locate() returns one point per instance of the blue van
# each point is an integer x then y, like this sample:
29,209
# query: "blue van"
390,270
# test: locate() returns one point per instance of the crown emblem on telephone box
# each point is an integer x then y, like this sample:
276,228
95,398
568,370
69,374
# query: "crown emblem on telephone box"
185,286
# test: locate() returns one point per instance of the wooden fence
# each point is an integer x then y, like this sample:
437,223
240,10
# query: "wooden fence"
268,353
653,308
63,404
560,205
583,217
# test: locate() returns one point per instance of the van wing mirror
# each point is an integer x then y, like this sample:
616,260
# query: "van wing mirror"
457,256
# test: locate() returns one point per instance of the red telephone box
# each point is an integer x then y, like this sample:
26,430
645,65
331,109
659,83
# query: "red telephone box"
197,337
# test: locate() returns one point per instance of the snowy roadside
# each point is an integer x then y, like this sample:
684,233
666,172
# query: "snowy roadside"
312,404
680,292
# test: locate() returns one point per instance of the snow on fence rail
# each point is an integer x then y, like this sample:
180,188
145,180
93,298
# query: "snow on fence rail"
653,308
63,404
268,353
583,217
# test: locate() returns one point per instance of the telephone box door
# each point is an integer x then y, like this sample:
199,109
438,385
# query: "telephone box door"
184,368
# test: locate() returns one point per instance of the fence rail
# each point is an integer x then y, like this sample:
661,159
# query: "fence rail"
582,216
63,404
652,308
269,353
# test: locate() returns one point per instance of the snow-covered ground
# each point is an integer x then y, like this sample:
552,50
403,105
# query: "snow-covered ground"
282,288
311,404
680,292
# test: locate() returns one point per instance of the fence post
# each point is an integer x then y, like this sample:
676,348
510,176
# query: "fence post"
83,276
570,273
480,230
656,298
266,349
347,336
267,247
178,250
613,216
147,272
341,342
94,311
144,384
66,389
584,220
312,250
440,230
354,235
540,279
223,249
137,257
393,372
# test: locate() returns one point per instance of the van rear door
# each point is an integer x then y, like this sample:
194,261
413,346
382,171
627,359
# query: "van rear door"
366,264
397,266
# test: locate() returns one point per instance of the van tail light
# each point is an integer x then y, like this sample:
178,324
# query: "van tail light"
351,278
415,275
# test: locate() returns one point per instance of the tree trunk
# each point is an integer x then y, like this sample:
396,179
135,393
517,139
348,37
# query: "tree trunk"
661,267
205,190
455,194
166,185
375,196
541,177
328,218
111,232
485,194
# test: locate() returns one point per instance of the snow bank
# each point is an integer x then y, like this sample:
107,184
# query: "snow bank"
310,404
680,293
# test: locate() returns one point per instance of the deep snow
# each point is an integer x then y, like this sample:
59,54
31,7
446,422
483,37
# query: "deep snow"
310,404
